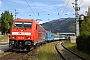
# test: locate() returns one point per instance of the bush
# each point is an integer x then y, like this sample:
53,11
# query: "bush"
83,42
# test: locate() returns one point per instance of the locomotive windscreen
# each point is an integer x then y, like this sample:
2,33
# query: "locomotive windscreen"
22,25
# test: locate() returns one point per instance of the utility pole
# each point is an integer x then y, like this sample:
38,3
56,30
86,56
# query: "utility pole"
15,13
77,17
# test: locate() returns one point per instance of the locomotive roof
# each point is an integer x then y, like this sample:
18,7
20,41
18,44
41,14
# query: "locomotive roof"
25,20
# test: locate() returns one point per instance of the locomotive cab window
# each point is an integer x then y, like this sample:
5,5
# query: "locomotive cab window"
17,25
27,25
22,25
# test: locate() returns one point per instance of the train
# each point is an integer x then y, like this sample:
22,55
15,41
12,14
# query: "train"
26,33
56,37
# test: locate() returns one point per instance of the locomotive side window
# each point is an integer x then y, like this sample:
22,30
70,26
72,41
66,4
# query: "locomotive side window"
22,24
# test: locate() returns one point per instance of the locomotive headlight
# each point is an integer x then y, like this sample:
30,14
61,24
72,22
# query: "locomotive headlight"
13,37
27,37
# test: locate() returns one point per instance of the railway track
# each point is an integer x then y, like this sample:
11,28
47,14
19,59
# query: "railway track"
12,55
67,54
31,55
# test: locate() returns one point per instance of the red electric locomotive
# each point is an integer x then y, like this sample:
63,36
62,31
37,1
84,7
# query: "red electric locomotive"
26,33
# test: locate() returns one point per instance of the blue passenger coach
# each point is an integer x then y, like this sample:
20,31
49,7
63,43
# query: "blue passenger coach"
56,37
49,36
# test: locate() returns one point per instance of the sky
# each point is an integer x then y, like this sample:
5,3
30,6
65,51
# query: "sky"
47,9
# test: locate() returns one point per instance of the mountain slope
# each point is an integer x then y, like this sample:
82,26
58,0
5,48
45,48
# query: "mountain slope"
63,25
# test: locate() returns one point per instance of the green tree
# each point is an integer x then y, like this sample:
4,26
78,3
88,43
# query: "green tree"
6,22
85,26
83,40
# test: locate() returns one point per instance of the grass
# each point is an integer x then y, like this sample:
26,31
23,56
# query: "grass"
3,38
47,52
1,53
73,47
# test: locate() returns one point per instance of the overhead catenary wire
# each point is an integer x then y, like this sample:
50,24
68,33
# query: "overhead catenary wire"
81,2
7,5
50,10
30,7
35,9
55,9
65,8
12,8
59,8
42,11
38,12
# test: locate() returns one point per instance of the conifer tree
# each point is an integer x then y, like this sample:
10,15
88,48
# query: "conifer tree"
6,22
